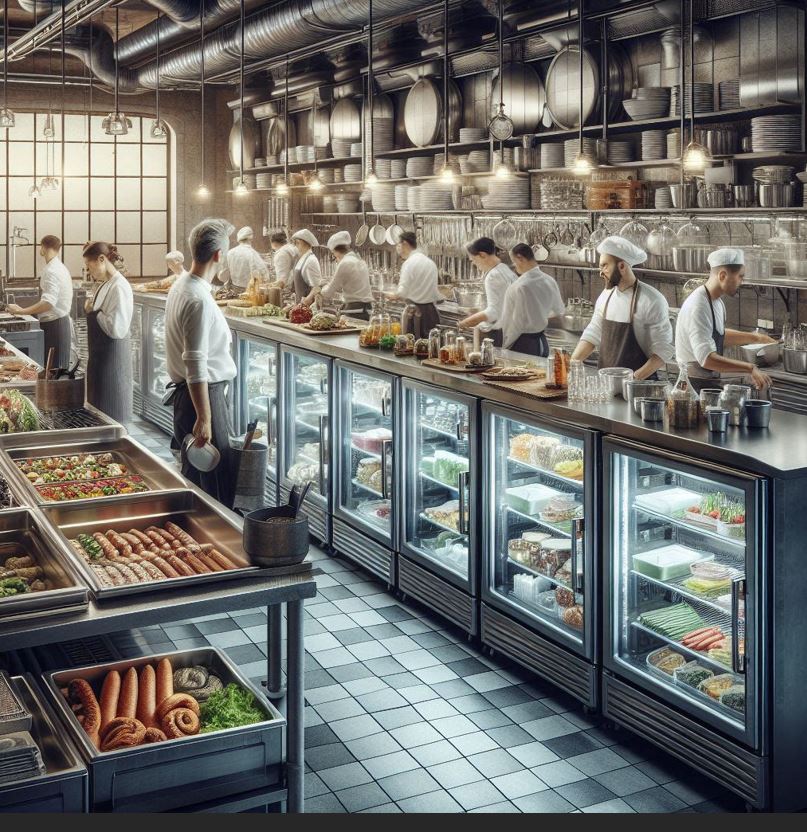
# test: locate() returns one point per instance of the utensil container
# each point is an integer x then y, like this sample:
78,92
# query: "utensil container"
717,420
249,469
614,377
275,536
757,413
651,410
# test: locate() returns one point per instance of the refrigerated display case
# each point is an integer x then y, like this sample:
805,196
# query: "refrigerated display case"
539,584
305,447
156,373
136,341
257,399
440,512
365,510
685,604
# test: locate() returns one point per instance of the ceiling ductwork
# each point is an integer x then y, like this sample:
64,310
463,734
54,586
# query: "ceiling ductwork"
100,58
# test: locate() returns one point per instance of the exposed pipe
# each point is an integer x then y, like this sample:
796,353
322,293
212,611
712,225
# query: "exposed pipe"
98,55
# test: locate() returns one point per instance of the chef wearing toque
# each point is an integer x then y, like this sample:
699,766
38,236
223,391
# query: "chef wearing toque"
284,257
351,278
307,274
243,261
701,335
631,322
418,287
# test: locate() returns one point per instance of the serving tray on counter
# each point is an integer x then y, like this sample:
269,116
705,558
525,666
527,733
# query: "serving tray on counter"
534,388
436,364
352,329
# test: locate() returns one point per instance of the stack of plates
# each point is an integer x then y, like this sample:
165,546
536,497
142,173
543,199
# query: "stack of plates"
663,198
704,99
507,195
330,204
260,162
301,152
321,153
353,173
773,174
571,147
507,154
383,168
648,102
347,204
728,95
654,145
552,155
19,757
251,181
435,196
413,199
478,161
397,168
272,160
674,144
340,148
355,150
263,180
620,152
338,175
383,135
473,134
774,134
326,175
289,154
419,166
453,162
561,195
402,197
383,197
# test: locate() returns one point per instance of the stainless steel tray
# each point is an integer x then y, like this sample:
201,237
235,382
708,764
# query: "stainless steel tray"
23,529
70,426
156,474
202,518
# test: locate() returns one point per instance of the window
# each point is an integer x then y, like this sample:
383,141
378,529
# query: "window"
114,189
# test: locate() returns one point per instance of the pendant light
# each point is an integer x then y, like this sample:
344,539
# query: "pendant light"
158,128
116,123
315,183
283,188
501,126
241,188
695,156
582,164
6,116
202,192
371,178
446,174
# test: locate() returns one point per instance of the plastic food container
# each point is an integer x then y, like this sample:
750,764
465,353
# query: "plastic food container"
662,662
717,685
691,674
668,562
546,602
734,698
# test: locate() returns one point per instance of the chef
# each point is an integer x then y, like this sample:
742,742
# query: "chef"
700,330
109,317
498,276
243,261
284,257
631,322
306,275
418,287
529,304
54,304
351,278
175,260
199,359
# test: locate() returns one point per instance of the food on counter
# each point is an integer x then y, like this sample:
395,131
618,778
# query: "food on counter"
300,314
673,622
734,698
721,652
720,513
20,574
510,374
110,694
226,293
18,414
371,440
448,466
670,501
6,499
692,674
56,493
447,514
323,321
666,660
704,639
718,685
79,467
198,681
230,707
530,499
573,617
561,509
368,472
710,571
178,716
668,562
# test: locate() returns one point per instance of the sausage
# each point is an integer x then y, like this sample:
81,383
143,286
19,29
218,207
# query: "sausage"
147,697
113,575
127,703
183,536
80,691
133,541
222,560
110,693
107,548
141,573
102,575
144,539
194,562
129,577
209,562
162,534
153,572
119,543
165,567
165,681
180,566
157,540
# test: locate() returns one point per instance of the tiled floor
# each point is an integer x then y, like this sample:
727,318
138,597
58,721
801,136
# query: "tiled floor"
405,715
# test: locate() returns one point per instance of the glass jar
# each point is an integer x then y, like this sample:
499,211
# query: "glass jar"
733,399
446,355
487,352
683,405
434,344
461,350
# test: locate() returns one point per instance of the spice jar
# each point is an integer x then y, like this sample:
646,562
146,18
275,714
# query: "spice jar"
461,350
487,352
446,355
434,343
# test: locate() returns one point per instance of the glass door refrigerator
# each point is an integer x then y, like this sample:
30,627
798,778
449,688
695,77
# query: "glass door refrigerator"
156,375
136,340
685,604
539,584
305,413
365,512
257,399
439,535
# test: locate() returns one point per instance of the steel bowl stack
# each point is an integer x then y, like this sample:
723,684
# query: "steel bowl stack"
648,102
728,95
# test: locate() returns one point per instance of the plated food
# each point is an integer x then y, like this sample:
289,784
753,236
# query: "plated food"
112,487
18,414
20,574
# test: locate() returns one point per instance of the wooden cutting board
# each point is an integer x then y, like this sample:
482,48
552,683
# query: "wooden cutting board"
348,330
534,388
451,368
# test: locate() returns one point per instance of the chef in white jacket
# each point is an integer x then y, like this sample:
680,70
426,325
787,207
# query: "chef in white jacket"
498,277
418,287
529,304
631,322
700,329
351,278
284,257
307,274
243,261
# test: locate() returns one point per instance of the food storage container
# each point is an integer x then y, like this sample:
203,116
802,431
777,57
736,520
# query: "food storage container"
763,355
709,397
734,698
715,686
663,661
546,602
651,410
717,419
757,413
691,674
276,536
733,399
634,388
795,361
181,772
683,413
668,562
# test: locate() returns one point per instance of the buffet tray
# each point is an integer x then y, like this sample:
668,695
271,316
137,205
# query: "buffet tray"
24,530
84,425
179,772
203,519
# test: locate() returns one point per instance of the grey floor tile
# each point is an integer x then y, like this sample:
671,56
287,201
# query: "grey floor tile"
328,756
314,786
373,745
585,793
385,666
549,727
324,804
430,640
311,717
414,626
495,762
571,745
454,726
492,718
471,703
503,808
486,681
368,618
345,776
418,659
402,680
360,687
384,631
340,621
475,795
394,613
381,700
693,791
417,693
624,781
410,736
311,627
526,711
223,640
435,753
558,773
388,764
654,800
399,644
320,608
545,802
518,784
453,654
318,679
319,735
455,773
339,709
475,743
349,672
436,709
327,693
453,689
510,735
435,675
350,604
597,762
399,717
505,697
323,641
609,807
368,650
433,803
408,784
359,798
355,727
383,809
335,658
335,593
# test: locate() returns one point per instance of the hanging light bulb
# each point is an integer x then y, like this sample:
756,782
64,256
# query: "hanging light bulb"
159,130
241,188
695,158
282,189
582,165
315,183
116,123
6,116
447,175
371,178
49,130
203,192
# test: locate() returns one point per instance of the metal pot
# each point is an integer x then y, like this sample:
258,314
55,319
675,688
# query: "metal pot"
795,361
780,195
714,197
683,195
763,355
615,377
744,196
470,300
633,389
691,258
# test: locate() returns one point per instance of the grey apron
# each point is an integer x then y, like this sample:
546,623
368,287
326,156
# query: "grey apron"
109,372
58,334
419,319
358,310
301,288
618,344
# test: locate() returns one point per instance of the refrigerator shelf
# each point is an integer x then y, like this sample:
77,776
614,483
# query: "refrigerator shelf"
576,484
691,527
452,488
307,425
557,531
694,654
368,407
525,568
676,585
447,433
358,450
439,525
367,488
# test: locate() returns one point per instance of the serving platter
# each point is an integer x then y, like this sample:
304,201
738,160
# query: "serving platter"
351,329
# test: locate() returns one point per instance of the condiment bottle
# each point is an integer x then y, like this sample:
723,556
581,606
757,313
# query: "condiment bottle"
434,343
461,350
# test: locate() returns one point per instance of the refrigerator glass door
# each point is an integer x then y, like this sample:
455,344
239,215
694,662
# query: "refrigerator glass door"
438,492
365,493
258,373
158,371
536,519
136,341
684,548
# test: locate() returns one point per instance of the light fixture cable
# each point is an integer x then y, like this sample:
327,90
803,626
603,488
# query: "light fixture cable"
447,174
7,118
241,188
202,192
371,178
582,165
694,158
283,188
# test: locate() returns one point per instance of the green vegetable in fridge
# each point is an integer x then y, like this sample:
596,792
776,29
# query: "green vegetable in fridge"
229,708
673,622
734,698
13,586
692,674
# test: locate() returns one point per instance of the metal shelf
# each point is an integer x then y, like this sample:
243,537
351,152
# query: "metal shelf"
576,484
549,527
694,654
678,588
447,433
453,489
372,454
691,527
367,488
538,574
439,525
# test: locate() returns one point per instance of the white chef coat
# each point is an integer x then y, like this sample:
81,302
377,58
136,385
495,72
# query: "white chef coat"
352,278
284,259
197,338
497,281
418,282
114,303
528,305
693,328
242,262
57,289
651,319
309,269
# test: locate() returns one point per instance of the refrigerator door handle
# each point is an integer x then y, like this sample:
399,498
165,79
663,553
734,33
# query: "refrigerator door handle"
737,659
578,532
386,405
387,443
323,385
459,429
462,485
323,426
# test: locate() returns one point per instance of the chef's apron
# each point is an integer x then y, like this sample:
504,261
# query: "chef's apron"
618,344
109,372
357,309
531,343
58,335
419,319
495,335
301,288
220,482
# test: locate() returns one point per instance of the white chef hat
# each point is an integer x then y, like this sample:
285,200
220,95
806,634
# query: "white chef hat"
622,249
245,233
726,257
306,236
175,257
341,238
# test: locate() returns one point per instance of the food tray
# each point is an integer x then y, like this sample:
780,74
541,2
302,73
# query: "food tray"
534,388
23,531
78,426
436,364
202,518
668,562
182,772
304,328
13,716
654,670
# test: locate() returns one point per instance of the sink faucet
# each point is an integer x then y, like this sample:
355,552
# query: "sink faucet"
17,236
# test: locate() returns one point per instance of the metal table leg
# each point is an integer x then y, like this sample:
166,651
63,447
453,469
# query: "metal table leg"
295,710
275,689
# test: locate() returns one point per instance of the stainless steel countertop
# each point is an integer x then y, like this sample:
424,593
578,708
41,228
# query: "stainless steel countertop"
779,451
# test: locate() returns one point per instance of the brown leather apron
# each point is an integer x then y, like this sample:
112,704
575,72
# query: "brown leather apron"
618,344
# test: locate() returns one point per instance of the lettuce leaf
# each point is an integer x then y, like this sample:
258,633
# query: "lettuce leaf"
229,708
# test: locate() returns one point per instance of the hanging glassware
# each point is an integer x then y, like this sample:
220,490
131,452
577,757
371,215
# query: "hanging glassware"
636,232
116,123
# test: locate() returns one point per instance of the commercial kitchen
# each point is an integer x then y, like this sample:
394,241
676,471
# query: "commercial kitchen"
508,511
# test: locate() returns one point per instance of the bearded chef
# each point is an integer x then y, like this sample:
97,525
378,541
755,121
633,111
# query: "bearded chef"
306,275
631,322
701,335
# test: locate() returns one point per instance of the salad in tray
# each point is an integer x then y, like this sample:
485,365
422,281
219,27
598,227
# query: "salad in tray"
109,487
77,468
